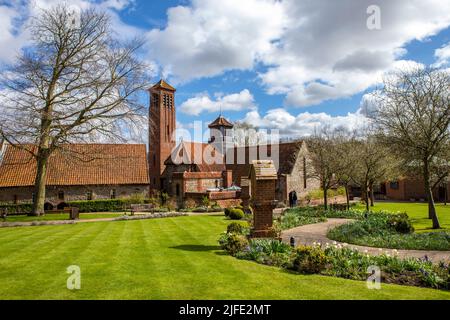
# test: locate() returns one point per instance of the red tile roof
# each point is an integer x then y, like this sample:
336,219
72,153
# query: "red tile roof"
198,154
78,164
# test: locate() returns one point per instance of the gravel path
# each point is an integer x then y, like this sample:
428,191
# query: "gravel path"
311,233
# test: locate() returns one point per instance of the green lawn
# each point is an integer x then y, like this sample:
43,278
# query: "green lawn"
170,258
418,213
60,216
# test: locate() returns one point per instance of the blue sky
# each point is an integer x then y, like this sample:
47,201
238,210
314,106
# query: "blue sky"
289,65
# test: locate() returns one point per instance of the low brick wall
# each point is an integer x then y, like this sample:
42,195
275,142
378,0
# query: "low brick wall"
223,195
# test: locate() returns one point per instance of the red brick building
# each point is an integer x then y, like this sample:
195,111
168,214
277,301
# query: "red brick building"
75,172
408,189
192,169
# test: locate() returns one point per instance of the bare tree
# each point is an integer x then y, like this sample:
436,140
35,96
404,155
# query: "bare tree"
413,118
75,83
372,163
325,151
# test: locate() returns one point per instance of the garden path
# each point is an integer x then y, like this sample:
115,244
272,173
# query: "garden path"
317,233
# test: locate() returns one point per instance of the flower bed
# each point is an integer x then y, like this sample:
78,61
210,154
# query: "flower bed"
321,212
393,231
335,260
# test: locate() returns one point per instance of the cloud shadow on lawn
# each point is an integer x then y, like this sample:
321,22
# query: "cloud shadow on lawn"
196,247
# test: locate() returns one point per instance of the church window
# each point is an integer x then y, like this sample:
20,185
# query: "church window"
113,193
16,199
155,98
89,195
61,195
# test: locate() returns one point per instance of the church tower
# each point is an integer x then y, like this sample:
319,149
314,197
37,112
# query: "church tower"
220,134
162,125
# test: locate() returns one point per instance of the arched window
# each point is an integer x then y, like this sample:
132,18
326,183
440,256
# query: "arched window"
89,195
61,195
113,193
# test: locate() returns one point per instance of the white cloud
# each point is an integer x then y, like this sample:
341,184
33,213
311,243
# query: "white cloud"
210,36
14,17
231,102
442,56
303,124
312,50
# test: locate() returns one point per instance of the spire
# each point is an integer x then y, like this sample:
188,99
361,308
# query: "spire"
220,122
164,85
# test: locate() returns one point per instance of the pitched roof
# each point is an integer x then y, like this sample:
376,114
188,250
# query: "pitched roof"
78,164
220,122
243,156
204,156
163,84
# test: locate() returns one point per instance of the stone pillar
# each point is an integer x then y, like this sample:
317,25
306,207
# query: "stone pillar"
263,177
245,192
227,176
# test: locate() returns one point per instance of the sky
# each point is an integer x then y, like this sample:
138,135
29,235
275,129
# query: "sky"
290,65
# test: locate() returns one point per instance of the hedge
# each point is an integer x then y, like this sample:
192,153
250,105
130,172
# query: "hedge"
17,208
100,205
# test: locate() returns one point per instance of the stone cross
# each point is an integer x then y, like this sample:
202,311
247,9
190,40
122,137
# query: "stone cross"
263,176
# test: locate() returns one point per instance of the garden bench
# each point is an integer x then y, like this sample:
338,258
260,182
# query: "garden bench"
142,208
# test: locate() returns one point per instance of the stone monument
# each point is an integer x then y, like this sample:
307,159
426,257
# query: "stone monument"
263,176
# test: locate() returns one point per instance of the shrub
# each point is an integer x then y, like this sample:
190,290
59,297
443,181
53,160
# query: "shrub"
235,227
216,208
190,203
163,196
233,243
136,198
236,214
200,209
171,204
400,223
100,205
309,260
226,211
17,208
205,201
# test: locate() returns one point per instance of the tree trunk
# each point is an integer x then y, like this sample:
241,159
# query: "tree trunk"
431,207
366,196
325,198
347,197
372,197
39,186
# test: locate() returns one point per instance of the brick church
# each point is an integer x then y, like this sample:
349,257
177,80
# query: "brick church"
185,170
216,168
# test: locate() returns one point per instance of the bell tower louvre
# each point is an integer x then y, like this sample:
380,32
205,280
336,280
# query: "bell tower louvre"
162,125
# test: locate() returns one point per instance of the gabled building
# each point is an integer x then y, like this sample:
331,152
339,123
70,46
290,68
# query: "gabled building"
193,169
75,172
